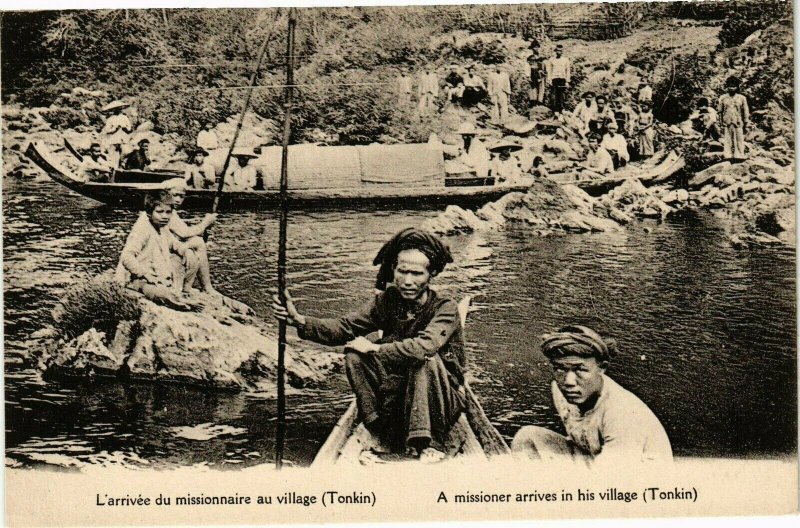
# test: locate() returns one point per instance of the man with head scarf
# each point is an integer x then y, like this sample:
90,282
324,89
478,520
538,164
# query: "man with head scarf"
408,382
605,423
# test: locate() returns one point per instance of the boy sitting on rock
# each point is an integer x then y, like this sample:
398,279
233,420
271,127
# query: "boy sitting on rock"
153,261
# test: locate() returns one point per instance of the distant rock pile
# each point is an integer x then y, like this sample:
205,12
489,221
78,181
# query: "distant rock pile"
758,193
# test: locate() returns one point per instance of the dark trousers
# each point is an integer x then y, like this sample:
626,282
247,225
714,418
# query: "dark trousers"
414,403
559,94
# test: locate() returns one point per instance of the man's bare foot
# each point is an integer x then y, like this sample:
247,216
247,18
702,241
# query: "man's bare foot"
211,292
429,455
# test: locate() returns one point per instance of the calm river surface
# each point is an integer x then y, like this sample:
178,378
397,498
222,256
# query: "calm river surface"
706,332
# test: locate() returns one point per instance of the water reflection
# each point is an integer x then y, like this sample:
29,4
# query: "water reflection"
706,333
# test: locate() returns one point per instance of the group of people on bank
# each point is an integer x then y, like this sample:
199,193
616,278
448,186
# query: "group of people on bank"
617,127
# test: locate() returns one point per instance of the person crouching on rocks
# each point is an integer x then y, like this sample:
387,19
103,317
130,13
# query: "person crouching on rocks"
191,236
153,261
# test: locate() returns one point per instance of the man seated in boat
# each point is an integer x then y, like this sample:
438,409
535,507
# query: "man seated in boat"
153,261
473,155
598,161
616,145
138,158
409,383
95,167
200,173
606,424
241,176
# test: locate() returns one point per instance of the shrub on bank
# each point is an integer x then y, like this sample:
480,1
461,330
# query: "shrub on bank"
100,303
743,18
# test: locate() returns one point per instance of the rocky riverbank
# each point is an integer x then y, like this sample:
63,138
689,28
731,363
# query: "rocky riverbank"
101,330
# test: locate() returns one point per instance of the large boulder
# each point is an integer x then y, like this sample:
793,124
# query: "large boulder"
215,347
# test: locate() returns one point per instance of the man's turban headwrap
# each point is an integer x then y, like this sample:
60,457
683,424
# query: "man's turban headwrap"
578,340
411,238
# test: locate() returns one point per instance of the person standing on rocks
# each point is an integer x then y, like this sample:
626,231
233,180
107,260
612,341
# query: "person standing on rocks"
499,88
536,75
407,383
606,424
116,130
734,116
645,92
207,139
428,91
646,132
404,89
602,116
585,111
559,72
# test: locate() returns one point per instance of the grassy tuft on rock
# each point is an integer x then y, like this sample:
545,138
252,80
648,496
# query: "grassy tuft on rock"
100,303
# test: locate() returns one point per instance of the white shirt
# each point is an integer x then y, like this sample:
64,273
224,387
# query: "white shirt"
616,144
240,178
498,83
585,113
477,158
619,427
429,84
197,175
207,140
558,68
404,84
116,128
599,161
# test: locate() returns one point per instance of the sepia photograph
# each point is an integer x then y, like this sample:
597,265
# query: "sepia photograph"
503,242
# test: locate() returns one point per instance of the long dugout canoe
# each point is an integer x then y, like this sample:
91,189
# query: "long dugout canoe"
405,190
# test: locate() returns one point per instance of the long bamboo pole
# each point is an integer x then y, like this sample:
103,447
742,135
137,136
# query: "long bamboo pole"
280,433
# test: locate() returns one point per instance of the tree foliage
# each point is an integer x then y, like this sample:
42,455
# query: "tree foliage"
745,17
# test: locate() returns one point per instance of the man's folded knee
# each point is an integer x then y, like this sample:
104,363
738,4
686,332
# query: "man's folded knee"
353,360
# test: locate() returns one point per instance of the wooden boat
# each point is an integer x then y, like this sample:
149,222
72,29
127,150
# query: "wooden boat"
472,436
128,188
656,169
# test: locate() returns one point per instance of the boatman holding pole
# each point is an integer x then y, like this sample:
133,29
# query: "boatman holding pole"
408,384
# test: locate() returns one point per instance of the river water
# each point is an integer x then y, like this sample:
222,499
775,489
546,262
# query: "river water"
706,332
